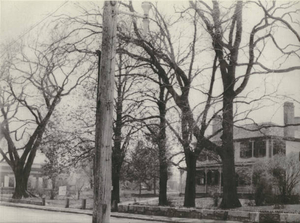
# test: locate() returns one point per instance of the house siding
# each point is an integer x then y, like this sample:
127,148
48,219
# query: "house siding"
292,147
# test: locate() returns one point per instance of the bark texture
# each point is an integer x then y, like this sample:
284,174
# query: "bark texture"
162,138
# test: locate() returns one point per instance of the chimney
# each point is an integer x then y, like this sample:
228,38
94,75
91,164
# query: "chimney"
289,118
216,124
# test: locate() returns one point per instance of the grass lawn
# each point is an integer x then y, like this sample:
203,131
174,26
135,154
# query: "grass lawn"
146,198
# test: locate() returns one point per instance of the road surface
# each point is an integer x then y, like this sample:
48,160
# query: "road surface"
24,215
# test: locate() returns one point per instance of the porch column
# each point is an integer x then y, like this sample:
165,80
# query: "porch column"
205,170
267,149
271,147
251,179
220,180
6,181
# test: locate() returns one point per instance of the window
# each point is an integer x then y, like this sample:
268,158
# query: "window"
246,149
209,178
278,147
216,177
201,178
255,148
213,177
11,182
259,148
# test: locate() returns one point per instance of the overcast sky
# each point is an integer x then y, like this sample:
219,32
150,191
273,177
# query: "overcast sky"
18,17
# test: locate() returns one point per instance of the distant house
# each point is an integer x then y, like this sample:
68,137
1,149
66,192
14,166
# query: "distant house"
252,142
7,178
35,181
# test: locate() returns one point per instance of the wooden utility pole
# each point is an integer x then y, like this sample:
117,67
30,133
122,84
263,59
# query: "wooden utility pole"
104,116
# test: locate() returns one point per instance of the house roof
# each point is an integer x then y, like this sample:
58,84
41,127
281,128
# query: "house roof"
257,130
253,131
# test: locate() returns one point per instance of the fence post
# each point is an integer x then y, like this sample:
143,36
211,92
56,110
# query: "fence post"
67,202
114,207
83,204
43,201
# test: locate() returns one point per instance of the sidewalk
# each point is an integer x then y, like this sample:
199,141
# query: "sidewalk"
116,214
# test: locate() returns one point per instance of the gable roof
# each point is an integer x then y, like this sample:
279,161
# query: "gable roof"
254,130
257,130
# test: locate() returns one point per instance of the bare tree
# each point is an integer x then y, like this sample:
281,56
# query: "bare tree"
157,127
84,37
39,77
126,106
225,26
159,51
159,138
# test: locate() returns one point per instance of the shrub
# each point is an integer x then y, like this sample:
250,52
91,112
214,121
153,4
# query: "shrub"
275,179
286,172
216,198
262,184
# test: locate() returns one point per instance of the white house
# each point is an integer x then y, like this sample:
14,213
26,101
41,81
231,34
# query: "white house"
251,143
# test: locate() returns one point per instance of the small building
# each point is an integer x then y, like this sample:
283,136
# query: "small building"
7,178
252,142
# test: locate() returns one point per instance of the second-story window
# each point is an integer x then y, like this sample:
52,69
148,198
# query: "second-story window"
253,148
246,149
200,177
278,147
259,148
213,177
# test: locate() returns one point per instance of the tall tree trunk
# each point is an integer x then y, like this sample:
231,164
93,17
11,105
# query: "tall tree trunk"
117,158
154,185
163,179
52,192
22,172
163,165
230,196
117,154
190,190
191,156
21,183
115,193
